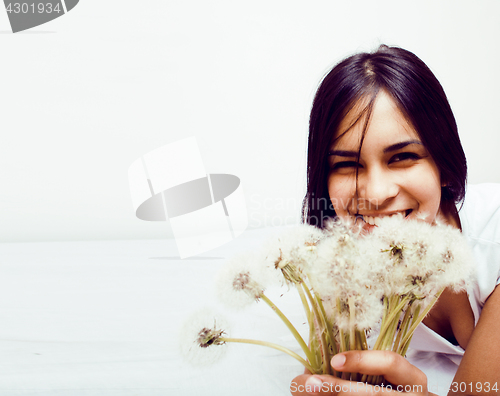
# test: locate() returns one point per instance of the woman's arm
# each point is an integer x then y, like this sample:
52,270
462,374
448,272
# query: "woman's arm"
479,370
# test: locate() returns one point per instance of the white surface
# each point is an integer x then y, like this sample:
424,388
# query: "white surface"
102,318
88,93
201,230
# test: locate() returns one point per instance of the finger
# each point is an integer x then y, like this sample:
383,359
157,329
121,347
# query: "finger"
395,368
326,385
303,385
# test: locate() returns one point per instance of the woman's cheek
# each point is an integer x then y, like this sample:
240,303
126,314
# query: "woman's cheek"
424,186
341,193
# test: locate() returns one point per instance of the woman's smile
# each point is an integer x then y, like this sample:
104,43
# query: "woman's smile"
394,174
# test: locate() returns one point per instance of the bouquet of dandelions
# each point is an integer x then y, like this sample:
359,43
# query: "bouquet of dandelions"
348,283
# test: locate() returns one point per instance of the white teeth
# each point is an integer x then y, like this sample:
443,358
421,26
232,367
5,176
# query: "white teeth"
377,220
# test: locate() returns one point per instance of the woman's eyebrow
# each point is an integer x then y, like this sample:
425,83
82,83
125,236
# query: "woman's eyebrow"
343,153
393,147
399,146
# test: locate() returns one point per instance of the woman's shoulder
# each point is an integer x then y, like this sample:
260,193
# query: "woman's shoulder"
480,212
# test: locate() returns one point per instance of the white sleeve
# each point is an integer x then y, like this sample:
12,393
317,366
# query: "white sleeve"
480,219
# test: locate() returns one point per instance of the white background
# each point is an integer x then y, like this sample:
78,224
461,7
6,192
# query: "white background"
85,95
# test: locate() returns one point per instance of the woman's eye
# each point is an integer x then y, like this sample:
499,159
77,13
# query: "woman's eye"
345,164
404,156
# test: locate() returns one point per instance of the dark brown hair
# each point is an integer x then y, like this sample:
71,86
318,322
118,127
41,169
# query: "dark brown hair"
418,95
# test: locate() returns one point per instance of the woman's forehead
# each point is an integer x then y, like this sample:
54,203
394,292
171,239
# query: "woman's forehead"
381,119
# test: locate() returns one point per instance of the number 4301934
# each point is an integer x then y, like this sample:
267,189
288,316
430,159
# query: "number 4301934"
40,8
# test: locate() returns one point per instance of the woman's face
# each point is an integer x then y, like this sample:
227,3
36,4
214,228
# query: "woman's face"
396,174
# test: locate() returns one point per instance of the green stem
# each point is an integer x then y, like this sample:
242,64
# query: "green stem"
392,312
386,309
352,316
390,317
331,342
313,341
352,333
271,345
407,338
402,328
314,345
362,340
404,348
329,328
366,378
341,332
305,304
290,326
390,334
322,323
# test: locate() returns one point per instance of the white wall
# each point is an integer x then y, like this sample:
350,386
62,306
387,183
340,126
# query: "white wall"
85,95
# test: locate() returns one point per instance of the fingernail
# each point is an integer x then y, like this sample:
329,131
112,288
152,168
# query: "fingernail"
337,361
313,384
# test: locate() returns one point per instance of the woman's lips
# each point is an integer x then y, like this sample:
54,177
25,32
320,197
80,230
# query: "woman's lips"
375,219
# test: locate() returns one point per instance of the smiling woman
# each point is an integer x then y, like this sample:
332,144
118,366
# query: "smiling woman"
383,141
391,80
392,174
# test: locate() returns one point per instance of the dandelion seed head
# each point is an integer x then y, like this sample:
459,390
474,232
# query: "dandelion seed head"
241,281
456,258
292,253
201,336
208,337
359,310
426,257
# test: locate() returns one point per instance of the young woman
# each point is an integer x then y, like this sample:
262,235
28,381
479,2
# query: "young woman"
383,141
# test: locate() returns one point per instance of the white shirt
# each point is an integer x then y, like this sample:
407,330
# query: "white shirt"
480,221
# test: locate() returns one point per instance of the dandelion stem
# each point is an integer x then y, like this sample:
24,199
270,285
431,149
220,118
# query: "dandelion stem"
331,343
323,325
304,303
390,317
314,345
403,328
271,345
310,320
404,348
361,336
416,322
343,347
391,331
352,316
328,327
290,326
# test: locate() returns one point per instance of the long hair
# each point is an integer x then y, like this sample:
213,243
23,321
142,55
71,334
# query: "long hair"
418,95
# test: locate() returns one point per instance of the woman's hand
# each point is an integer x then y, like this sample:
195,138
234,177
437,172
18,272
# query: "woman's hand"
402,376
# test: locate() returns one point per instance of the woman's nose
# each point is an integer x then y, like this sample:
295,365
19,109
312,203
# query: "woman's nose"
376,188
